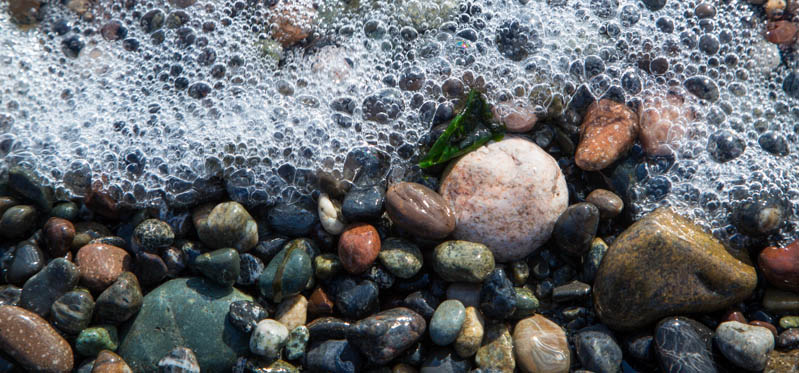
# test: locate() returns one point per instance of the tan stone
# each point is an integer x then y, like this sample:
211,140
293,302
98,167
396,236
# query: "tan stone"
608,131
541,346
471,335
783,362
292,312
497,349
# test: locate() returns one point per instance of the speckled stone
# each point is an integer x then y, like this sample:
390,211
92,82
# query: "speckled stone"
400,257
463,261
92,340
333,356
109,362
298,339
58,234
497,296
226,225
292,312
608,203
496,352
358,247
245,314
597,350
153,234
541,346
179,360
120,301
446,323
287,273
32,342
471,334
789,322
40,291
419,210
100,265
221,266
783,362
526,303
506,195
682,270
385,335
164,323
268,339
250,269
608,131
745,345
679,348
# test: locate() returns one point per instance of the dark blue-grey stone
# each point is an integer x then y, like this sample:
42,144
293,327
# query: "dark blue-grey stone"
267,248
28,260
72,312
41,290
386,335
445,361
250,268
680,349
576,227
325,328
9,295
424,302
640,346
336,356
18,221
245,314
702,87
447,321
380,276
287,273
571,291
357,300
29,186
166,321
497,297
363,203
597,350
293,219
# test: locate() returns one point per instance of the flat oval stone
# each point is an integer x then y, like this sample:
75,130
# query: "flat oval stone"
496,353
747,346
179,360
419,210
17,221
597,350
226,225
664,265
221,266
471,334
463,261
120,301
28,260
41,290
286,274
680,348
608,203
358,247
385,335
576,227
100,265
608,131
72,312
400,257
507,196
333,356
447,322
268,339
164,322
32,342
541,346
30,186
58,234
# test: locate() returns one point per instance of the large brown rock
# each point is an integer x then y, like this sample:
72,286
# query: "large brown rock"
607,133
32,342
666,265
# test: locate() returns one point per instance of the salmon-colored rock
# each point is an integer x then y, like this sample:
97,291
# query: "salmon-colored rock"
663,123
292,21
32,342
101,264
517,117
607,133
780,266
358,247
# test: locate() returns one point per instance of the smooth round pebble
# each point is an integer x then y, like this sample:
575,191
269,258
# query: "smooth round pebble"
446,323
268,338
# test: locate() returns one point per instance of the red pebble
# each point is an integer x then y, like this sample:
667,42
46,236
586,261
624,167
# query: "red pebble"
734,315
781,32
765,325
358,247
780,266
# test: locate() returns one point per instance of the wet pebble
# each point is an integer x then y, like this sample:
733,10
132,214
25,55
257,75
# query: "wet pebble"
226,225
679,347
41,290
597,350
109,362
120,301
608,131
245,314
400,257
385,335
287,273
496,352
330,215
609,204
298,339
17,221
358,247
780,266
576,227
72,312
92,340
463,261
250,268
333,356
9,295
292,312
153,234
100,265
179,360
220,266
446,323
419,210
788,339
268,339
150,269
357,300
541,346
28,260
745,345
293,219
32,342
58,234
497,296
363,203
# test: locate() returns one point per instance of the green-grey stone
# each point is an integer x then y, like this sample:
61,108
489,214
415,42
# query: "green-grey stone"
400,257
298,339
120,301
17,221
526,303
92,340
463,261
65,210
188,312
519,272
327,265
447,321
28,185
287,273
220,266
789,322
72,312
6,203
593,258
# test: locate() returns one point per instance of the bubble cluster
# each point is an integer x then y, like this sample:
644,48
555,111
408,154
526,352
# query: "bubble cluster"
180,99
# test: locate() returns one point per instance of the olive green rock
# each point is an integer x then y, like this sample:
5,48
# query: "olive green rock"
526,303
400,257
189,312
287,273
780,301
220,266
497,349
666,265
463,261
327,265
789,322
92,340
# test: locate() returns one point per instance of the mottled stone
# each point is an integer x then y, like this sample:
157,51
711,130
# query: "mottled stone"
446,323
92,340
268,339
419,210
153,234
788,339
608,131
120,301
330,214
384,336
41,290
298,339
783,362
541,346
358,247
517,117
100,265
789,322
679,348
58,234
497,296
287,273
165,322
226,225
471,334
293,21
72,311
292,312
526,303
496,352
32,342
593,258
597,350
179,360
109,362
506,195
664,265
463,261
221,266
245,315
745,345
357,300
400,257
333,356
363,203
608,203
